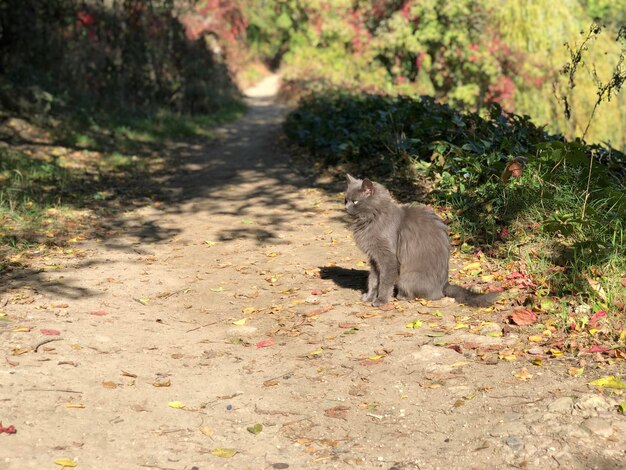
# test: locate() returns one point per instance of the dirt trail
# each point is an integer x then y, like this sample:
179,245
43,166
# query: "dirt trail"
340,384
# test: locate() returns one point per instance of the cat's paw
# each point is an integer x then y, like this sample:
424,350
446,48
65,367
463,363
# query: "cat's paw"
380,302
367,297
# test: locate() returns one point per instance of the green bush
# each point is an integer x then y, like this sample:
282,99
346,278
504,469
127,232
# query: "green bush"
470,159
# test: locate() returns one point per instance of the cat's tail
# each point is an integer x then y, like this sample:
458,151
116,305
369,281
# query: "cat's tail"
467,297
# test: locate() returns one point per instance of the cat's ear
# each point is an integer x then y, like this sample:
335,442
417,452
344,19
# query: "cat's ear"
367,187
350,179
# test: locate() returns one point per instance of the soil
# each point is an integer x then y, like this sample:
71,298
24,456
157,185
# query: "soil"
222,328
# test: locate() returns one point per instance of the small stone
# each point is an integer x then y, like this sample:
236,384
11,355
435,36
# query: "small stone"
599,427
590,402
280,465
514,443
562,405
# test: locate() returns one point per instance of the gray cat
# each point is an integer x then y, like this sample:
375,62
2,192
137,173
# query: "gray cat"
407,246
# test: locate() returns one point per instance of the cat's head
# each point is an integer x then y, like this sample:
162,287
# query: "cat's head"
358,194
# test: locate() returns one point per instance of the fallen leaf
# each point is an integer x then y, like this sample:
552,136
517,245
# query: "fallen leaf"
240,322
162,383
598,349
523,317
223,452
320,310
256,429
272,254
217,289
100,313
535,338
8,429
415,324
265,343
143,300
60,306
338,412
210,243
207,431
345,325
575,371
64,462
109,384
387,307
129,374
610,381
50,332
74,405
19,351
621,408
522,374
271,383
176,405
360,264
21,329
312,354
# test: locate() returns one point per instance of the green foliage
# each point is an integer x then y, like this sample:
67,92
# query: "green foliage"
471,160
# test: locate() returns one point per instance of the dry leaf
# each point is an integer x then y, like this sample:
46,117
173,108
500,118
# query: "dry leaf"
162,383
523,317
339,412
109,384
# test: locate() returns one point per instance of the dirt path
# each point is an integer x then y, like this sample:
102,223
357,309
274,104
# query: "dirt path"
146,318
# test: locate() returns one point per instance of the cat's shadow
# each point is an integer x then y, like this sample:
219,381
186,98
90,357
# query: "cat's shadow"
347,278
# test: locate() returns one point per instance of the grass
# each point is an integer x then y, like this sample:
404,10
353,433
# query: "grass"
85,164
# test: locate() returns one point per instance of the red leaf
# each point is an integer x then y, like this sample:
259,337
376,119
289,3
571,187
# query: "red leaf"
370,362
339,412
523,317
265,343
596,348
319,310
316,292
455,347
50,332
593,321
100,313
346,325
9,429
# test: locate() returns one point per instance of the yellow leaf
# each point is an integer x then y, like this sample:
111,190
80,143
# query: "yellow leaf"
460,326
575,371
74,405
509,357
622,335
556,352
375,358
522,374
21,329
610,381
437,313
535,338
271,254
494,333
487,278
537,362
210,243
317,352
176,404
416,324
593,331
459,363
240,322
250,310
207,431
471,267
143,300
64,462
361,264
162,383
223,452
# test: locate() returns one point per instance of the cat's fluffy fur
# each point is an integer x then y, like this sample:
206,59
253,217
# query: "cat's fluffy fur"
408,247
